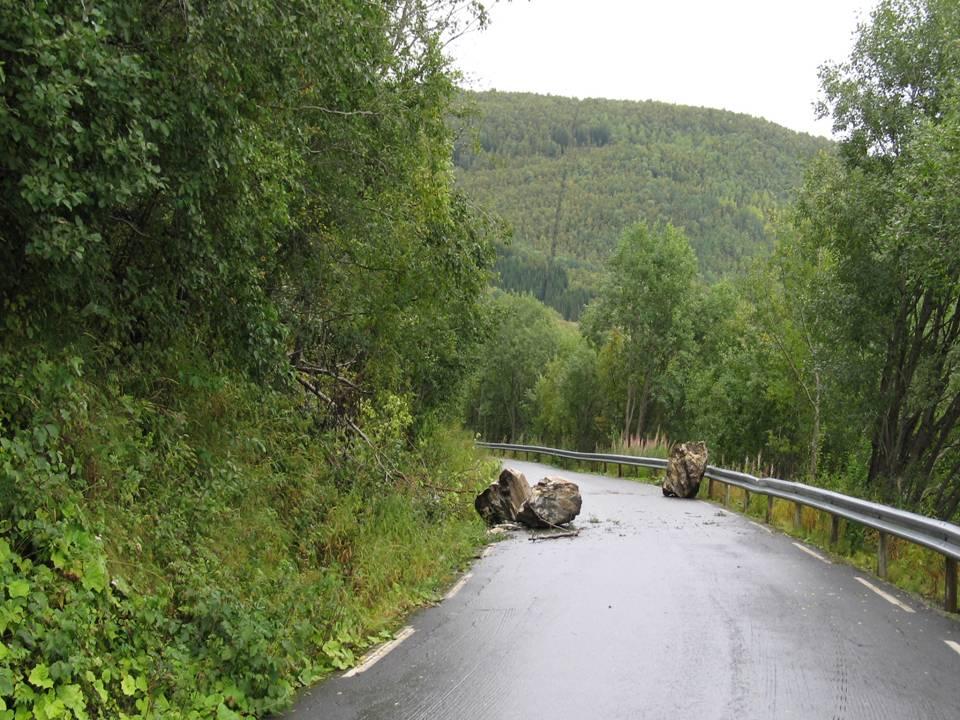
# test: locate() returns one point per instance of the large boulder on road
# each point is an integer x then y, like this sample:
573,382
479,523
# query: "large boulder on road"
501,502
685,469
553,501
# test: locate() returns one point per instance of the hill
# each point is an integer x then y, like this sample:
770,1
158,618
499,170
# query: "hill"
569,175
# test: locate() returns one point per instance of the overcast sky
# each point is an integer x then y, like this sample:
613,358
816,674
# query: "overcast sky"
753,56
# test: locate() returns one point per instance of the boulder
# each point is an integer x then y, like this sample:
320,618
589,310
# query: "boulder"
685,469
501,502
553,501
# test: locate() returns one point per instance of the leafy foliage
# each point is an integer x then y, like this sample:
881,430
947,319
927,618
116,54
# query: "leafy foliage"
886,209
200,555
237,295
526,337
642,319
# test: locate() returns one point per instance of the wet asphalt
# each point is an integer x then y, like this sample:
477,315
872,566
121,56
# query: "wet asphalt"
660,609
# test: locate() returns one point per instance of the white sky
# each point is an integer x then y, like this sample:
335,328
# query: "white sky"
753,56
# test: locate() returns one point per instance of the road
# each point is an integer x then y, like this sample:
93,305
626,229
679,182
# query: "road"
660,609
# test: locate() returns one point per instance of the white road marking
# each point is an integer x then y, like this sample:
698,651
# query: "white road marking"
381,652
886,596
459,586
810,552
762,527
954,644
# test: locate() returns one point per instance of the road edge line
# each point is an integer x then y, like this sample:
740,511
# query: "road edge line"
381,652
458,587
811,553
885,595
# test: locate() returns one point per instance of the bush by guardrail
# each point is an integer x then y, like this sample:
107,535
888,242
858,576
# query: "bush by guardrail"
937,535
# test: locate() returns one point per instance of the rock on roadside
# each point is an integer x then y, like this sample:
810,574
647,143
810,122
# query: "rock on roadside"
501,502
553,501
685,469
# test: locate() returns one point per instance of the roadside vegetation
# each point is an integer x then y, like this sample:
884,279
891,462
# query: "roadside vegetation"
238,295
243,307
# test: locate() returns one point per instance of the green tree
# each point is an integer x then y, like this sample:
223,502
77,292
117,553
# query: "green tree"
738,396
794,302
526,337
568,399
200,203
642,318
886,209
230,176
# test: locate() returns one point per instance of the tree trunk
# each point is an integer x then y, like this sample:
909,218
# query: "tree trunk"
815,432
628,411
642,404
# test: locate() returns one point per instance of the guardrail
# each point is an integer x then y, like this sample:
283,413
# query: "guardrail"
942,537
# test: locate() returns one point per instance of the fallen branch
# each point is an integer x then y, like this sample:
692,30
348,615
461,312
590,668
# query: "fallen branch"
310,369
388,472
447,490
554,536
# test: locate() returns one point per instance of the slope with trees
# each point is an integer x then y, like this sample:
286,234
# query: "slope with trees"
570,175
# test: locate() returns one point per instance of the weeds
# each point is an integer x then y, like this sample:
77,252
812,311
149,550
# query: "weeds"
195,549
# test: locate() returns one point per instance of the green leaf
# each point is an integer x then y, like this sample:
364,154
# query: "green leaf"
128,685
18,588
40,677
101,690
72,697
95,574
48,707
225,713
6,682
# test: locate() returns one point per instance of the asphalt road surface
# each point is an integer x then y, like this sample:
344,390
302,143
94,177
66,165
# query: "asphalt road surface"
662,609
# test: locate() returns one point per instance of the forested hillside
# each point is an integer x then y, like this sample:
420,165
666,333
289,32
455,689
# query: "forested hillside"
238,295
835,358
569,176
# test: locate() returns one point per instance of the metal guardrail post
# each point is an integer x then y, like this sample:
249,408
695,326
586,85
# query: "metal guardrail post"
746,500
710,488
950,589
882,556
797,515
619,469
769,516
834,529
726,494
